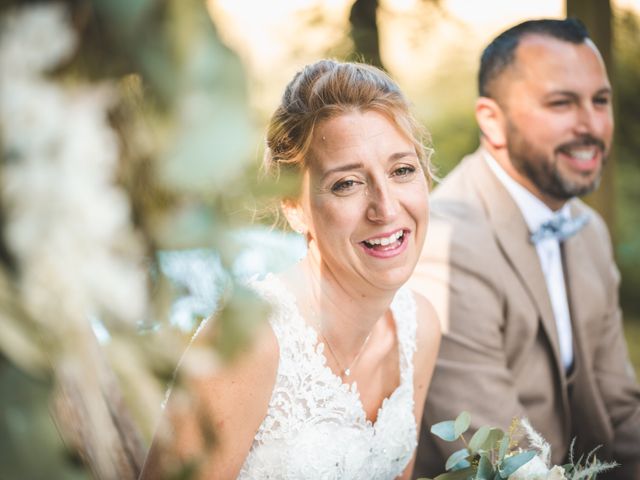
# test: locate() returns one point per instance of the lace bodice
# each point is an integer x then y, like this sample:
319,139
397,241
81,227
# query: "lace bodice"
316,426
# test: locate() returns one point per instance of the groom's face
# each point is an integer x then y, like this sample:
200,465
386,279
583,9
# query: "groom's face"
558,116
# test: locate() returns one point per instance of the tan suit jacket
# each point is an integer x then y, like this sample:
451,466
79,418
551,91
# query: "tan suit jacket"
500,356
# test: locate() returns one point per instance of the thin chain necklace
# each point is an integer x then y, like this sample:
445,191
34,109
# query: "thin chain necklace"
344,371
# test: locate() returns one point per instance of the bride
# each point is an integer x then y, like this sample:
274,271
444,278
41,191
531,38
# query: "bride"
335,387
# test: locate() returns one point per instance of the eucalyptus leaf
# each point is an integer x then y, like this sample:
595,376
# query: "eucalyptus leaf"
485,468
445,430
457,458
479,438
504,446
495,435
462,423
510,464
461,466
465,474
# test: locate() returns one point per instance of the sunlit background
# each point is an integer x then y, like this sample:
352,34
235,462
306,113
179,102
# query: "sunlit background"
423,44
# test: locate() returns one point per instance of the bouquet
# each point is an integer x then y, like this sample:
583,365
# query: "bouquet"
493,454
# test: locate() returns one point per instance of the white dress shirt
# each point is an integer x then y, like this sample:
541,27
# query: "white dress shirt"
535,213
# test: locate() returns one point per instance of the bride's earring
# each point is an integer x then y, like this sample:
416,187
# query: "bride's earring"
294,215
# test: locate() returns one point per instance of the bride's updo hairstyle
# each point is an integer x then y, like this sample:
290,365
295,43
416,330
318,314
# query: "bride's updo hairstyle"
324,90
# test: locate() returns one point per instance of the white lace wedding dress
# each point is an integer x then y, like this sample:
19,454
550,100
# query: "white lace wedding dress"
316,427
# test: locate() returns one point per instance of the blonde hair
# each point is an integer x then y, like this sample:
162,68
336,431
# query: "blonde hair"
324,90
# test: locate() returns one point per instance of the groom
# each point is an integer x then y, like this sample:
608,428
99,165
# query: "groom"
520,270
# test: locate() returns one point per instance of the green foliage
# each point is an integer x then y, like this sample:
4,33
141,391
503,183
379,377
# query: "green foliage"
504,445
626,78
463,474
445,430
458,460
485,468
486,456
479,438
462,423
491,454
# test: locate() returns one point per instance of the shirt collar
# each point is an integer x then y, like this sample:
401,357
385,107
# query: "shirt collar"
534,211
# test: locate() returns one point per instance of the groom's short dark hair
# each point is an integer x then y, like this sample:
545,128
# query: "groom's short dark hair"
500,53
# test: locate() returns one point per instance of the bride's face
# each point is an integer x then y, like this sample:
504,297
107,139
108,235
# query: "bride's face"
364,200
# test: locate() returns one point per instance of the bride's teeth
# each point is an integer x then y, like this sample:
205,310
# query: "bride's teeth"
387,240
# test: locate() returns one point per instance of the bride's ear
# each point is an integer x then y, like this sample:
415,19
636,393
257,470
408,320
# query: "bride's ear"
294,214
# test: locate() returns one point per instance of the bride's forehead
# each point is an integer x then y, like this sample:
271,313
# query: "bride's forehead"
353,133
346,126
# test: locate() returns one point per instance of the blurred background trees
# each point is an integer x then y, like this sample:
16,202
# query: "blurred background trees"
130,136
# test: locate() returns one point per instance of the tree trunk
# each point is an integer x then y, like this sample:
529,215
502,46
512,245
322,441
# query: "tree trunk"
364,32
597,16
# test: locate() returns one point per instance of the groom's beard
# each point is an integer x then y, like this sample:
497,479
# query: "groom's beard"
543,170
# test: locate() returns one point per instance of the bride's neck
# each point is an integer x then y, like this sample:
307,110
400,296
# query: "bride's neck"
339,308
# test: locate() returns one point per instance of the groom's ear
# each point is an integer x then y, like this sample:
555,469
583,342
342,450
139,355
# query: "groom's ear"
294,214
491,121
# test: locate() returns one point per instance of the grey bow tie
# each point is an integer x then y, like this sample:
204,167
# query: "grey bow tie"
559,227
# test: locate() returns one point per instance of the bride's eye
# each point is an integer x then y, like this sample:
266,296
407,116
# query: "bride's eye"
404,172
344,186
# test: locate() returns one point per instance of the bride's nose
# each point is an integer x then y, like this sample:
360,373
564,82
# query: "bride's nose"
382,204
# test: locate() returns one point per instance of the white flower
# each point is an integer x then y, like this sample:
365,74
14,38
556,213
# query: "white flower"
556,473
536,469
34,39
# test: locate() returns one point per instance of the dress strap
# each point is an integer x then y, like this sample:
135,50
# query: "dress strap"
404,312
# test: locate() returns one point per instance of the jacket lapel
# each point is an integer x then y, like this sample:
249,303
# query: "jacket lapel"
577,278
512,235
583,284
580,279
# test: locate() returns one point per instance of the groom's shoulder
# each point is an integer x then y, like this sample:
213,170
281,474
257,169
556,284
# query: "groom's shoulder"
458,197
461,182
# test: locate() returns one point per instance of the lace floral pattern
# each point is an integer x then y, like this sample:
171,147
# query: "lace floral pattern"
316,426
